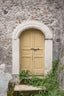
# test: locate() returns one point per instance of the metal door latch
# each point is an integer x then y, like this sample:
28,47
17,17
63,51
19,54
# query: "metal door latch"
35,49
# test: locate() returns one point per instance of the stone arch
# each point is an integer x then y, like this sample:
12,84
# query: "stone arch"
32,24
16,46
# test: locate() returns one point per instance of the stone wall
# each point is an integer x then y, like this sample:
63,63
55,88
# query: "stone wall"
14,12
61,53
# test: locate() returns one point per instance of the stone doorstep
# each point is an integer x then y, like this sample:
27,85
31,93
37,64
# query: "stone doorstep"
27,88
40,77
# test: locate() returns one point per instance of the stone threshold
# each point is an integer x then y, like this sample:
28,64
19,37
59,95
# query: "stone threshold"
36,76
27,88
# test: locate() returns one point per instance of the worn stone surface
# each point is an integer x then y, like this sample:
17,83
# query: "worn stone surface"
4,80
14,12
26,88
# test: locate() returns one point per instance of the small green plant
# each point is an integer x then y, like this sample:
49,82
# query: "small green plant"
23,75
62,67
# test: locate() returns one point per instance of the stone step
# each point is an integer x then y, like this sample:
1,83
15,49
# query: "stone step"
40,77
27,88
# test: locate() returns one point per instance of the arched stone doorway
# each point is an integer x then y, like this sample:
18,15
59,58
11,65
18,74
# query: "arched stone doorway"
48,51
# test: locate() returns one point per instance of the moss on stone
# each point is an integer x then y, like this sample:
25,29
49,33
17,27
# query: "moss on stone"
10,89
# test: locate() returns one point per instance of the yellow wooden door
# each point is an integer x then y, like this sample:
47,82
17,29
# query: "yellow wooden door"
38,53
32,51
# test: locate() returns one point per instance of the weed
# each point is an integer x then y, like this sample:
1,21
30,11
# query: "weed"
23,75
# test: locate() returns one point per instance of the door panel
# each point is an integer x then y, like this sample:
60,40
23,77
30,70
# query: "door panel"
38,65
26,40
32,51
25,52
39,39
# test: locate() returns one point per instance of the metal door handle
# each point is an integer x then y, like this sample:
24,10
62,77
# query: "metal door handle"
35,49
